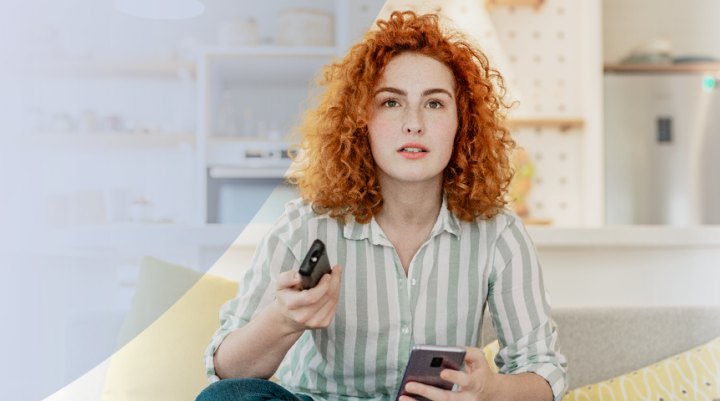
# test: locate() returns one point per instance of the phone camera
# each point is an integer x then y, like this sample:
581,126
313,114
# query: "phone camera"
436,362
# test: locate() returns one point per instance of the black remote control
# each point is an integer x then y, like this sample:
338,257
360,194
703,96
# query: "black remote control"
315,265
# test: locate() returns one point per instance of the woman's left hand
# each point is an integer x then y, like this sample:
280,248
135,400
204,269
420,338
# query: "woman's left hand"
476,383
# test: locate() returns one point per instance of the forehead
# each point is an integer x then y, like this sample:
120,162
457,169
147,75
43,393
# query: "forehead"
411,69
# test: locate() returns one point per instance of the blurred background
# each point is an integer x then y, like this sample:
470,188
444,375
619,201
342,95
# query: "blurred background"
127,134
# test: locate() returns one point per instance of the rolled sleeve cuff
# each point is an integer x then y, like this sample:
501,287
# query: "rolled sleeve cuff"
554,375
210,354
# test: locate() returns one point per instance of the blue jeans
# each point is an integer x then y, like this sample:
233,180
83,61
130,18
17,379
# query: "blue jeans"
248,390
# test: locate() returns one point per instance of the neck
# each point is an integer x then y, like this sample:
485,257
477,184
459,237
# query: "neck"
409,205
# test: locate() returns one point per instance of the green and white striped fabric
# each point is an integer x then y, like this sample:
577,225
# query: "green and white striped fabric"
382,313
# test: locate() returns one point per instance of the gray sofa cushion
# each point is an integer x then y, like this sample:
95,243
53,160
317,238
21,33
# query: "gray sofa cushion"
602,343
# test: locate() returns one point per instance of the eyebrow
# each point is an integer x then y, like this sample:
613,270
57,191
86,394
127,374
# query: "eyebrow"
426,92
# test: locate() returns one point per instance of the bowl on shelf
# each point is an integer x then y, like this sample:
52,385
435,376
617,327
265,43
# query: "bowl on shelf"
305,27
237,32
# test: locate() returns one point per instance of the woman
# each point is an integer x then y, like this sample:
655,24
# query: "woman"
406,183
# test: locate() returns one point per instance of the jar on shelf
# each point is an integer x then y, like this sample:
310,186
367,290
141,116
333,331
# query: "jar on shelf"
88,122
248,123
225,125
141,210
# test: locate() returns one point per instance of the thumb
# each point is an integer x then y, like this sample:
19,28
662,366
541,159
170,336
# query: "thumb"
474,357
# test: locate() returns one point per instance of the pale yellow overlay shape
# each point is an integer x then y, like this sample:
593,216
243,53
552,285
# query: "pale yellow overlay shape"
165,361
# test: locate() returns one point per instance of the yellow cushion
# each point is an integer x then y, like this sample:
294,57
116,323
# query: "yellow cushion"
490,351
165,360
692,375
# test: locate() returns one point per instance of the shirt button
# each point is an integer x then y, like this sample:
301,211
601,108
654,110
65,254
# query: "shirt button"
405,330
413,281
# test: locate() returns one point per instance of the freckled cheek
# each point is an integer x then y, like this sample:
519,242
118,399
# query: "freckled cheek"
381,131
445,131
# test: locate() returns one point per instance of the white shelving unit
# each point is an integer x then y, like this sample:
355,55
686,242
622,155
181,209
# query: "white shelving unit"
258,72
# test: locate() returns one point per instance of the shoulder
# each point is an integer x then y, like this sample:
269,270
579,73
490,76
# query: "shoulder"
298,215
294,226
503,223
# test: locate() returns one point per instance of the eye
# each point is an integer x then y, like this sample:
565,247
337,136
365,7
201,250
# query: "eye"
390,103
434,104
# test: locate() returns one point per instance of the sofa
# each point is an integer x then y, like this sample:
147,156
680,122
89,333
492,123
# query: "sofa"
601,343
175,312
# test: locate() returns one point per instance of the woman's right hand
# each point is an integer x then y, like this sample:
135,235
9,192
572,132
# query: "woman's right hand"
308,309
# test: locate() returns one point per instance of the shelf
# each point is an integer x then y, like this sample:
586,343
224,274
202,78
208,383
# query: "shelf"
250,172
665,237
563,124
236,139
492,4
111,68
270,51
267,64
107,140
142,234
124,235
663,68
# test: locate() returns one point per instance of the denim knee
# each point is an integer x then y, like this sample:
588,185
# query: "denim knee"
245,390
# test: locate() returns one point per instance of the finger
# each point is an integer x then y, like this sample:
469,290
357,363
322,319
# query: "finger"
462,379
430,392
287,279
473,354
336,281
337,269
323,316
316,294
474,358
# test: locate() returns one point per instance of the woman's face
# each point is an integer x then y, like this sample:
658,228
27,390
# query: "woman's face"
413,119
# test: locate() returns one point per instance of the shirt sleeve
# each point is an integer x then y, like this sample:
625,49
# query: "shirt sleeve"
256,291
520,309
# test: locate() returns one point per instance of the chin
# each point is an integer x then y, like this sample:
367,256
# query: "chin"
417,178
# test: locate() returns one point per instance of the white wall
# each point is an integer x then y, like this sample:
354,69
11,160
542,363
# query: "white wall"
632,276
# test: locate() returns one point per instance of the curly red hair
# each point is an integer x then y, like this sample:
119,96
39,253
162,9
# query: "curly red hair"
339,177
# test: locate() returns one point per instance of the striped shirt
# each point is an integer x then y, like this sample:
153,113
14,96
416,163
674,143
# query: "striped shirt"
382,312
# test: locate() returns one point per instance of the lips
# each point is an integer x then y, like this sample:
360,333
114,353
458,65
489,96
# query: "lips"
413,154
413,145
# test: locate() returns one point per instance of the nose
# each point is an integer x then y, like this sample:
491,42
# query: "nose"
413,122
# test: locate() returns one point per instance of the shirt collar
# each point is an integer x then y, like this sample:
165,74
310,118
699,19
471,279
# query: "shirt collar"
446,221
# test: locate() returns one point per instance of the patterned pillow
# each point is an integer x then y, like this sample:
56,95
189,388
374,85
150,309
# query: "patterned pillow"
692,375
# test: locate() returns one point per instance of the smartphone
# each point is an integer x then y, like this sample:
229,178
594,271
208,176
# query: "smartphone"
425,364
315,265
